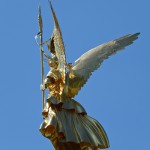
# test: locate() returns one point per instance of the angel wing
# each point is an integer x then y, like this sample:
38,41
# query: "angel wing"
91,60
56,46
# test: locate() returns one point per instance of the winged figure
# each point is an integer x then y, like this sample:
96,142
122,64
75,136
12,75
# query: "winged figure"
66,123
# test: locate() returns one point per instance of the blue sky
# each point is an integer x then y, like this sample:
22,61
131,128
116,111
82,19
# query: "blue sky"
117,95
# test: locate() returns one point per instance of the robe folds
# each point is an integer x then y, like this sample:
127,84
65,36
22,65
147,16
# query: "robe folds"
68,126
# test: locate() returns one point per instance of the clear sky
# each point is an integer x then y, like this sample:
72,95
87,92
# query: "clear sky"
118,93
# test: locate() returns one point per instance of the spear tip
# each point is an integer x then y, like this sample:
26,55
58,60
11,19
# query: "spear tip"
40,19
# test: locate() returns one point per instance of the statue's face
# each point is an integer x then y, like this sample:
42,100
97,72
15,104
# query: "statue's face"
52,63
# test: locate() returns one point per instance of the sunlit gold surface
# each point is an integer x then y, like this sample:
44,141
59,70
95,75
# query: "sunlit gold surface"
66,123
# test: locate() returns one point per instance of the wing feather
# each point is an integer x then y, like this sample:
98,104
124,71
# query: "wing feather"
91,60
56,46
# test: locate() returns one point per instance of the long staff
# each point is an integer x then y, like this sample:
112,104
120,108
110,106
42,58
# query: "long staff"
42,54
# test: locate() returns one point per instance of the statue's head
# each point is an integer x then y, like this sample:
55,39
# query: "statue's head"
53,63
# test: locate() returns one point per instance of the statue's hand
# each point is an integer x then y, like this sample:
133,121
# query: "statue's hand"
42,87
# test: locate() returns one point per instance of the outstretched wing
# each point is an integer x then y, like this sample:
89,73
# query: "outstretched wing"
91,60
56,46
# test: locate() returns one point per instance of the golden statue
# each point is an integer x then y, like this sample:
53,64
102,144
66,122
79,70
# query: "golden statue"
66,123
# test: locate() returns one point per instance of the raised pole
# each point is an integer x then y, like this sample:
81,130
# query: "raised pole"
42,55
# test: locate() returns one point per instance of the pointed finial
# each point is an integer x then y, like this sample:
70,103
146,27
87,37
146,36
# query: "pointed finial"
40,20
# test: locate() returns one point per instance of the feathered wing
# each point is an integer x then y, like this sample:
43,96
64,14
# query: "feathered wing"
56,46
91,60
